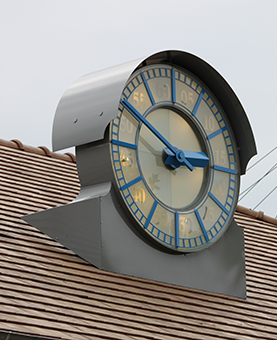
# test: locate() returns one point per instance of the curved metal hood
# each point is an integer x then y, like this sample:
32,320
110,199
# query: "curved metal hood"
88,105
91,102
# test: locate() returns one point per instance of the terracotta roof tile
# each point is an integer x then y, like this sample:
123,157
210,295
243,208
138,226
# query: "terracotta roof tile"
47,291
42,150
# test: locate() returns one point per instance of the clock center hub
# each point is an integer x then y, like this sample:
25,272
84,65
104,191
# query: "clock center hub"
180,156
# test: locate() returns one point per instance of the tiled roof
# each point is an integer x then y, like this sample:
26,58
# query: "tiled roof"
47,291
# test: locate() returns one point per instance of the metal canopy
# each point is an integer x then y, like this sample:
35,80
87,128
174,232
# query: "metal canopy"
90,103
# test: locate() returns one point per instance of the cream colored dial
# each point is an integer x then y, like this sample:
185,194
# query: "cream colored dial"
174,158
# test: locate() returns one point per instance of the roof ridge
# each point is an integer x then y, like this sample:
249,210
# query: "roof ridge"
257,214
41,150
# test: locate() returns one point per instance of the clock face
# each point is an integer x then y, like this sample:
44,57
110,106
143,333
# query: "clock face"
174,158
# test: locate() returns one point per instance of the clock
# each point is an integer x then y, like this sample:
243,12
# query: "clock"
161,143
174,158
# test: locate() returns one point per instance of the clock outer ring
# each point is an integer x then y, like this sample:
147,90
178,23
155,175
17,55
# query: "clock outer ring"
219,234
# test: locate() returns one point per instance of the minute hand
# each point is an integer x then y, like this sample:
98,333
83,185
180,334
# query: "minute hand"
180,156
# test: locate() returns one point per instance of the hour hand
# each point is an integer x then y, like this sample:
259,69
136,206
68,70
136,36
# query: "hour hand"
196,159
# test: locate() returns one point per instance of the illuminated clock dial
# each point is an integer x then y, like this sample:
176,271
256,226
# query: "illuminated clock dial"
174,158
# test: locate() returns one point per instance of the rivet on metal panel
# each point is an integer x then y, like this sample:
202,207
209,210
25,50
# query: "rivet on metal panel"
75,121
101,114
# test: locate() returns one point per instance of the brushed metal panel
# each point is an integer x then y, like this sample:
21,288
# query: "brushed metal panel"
77,226
88,105
91,102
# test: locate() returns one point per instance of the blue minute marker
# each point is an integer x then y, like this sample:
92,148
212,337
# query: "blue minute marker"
124,144
177,229
228,170
217,132
129,184
148,89
154,206
202,225
219,203
173,86
198,102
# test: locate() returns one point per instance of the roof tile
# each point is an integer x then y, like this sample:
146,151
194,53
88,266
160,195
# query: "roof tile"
46,290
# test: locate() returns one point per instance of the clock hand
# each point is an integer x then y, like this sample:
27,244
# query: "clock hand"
174,156
178,153
197,159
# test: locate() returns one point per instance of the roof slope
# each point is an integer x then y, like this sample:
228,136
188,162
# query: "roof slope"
47,291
